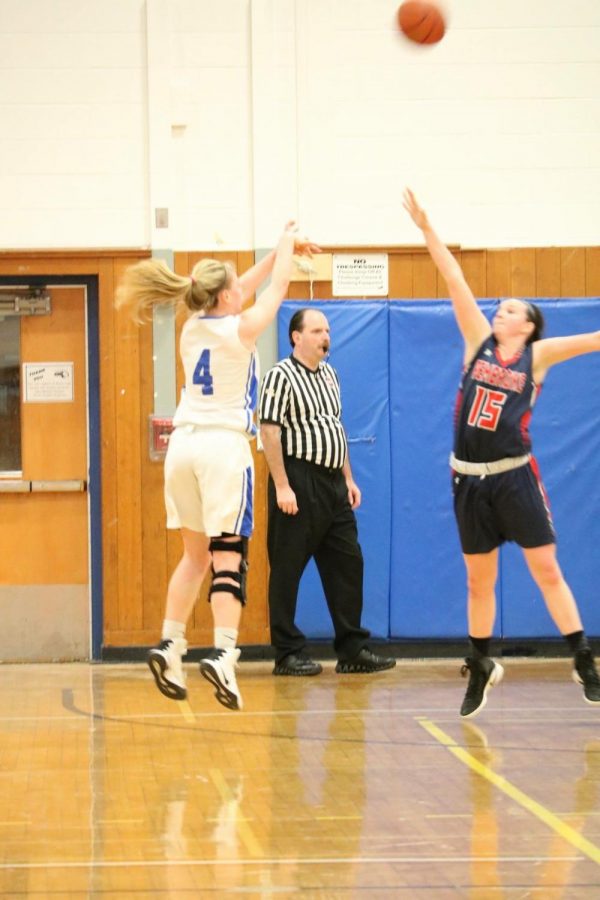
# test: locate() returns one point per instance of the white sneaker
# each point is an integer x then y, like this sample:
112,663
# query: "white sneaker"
219,669
165,664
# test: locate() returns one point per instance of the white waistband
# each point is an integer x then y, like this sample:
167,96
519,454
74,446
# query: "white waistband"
489,468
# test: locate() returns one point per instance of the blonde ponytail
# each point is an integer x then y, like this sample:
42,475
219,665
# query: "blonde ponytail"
209,277
151,283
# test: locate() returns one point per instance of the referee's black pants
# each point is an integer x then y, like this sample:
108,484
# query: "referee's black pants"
325,528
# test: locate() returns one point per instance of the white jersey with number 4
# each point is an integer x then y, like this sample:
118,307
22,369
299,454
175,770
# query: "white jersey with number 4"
221,376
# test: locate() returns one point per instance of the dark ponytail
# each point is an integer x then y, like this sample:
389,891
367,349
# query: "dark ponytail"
534,315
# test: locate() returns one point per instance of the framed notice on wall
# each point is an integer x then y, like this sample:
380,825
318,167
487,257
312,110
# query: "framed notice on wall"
48,382
360,275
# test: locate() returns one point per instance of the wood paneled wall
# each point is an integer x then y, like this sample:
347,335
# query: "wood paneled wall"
522,272
139,554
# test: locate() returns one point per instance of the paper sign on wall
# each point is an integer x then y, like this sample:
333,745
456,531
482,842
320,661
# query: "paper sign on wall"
48,382
360,275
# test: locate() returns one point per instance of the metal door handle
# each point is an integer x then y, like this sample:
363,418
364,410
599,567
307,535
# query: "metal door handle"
18,486
69,484
14,486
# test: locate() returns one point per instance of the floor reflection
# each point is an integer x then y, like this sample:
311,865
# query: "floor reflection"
329,786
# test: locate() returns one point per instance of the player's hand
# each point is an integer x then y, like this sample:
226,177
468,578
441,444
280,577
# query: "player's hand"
354,494
286,501
304,247
416,212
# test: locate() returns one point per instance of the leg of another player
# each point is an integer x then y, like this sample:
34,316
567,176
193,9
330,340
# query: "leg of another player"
226,609
219,666
188,576
562,606
482,570
165,660
557,594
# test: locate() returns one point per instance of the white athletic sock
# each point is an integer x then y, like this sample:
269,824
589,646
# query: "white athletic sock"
172,629
225,638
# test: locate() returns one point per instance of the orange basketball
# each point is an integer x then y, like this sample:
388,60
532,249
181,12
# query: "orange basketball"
422,23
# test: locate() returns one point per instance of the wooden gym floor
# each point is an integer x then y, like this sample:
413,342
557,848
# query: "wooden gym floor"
332,787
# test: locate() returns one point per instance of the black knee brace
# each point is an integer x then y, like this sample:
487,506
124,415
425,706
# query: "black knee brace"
218,584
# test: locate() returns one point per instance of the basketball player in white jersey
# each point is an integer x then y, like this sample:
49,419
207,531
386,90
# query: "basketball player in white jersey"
208,467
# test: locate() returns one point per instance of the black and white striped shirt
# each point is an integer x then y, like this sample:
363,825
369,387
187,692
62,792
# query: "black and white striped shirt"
307,406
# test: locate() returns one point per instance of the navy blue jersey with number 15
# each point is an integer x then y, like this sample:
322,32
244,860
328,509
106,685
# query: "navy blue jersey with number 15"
494,406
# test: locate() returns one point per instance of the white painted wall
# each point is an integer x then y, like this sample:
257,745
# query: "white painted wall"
72,123
497,127
235,114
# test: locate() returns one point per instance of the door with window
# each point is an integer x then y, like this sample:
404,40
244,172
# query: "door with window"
44,515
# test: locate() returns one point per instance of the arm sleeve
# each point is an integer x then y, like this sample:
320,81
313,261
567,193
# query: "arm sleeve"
274,397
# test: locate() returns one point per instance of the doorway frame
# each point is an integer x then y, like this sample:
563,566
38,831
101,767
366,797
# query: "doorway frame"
90,283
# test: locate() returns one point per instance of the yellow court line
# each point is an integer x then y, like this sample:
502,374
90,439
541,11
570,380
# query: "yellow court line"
186,710
536,809
337,818
245,832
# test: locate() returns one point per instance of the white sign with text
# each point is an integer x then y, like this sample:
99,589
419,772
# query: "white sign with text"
360,275
48,382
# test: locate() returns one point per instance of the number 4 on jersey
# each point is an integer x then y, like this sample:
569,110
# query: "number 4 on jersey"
202,373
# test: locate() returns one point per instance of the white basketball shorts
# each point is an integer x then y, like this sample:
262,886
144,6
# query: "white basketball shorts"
209,481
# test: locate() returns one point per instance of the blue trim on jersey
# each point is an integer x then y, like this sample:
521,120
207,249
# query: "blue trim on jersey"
245,511
251,394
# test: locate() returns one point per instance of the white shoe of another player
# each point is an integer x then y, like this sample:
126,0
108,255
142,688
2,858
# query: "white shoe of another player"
166,666
219,668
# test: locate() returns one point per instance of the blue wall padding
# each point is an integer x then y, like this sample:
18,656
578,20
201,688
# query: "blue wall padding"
359,353
565,432
399,363
427,571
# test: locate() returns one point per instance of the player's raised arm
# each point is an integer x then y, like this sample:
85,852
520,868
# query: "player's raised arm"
254,277
472,323
254,320
550,351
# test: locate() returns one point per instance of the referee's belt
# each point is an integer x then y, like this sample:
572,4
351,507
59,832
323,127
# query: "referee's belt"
488,468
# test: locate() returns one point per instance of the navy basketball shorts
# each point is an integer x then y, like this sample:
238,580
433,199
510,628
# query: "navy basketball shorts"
510,506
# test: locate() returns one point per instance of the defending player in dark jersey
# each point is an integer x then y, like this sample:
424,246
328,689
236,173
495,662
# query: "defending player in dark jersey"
498,494
494,405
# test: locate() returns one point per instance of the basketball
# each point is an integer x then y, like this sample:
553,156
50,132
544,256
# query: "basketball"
422,23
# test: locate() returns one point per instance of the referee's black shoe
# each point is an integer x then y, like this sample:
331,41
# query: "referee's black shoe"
297,664
365,662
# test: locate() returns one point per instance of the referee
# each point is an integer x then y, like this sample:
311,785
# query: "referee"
312,496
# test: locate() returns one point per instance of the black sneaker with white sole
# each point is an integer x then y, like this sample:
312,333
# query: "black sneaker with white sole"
483,674
586,674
